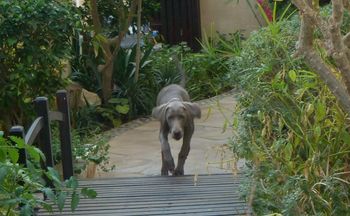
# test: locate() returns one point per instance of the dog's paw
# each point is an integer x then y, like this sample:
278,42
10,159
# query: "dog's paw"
164,171
178,172
169,164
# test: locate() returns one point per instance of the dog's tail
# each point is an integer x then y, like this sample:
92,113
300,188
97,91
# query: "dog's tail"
181,70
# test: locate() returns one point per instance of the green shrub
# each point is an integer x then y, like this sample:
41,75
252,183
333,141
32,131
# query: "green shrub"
20,185
88,145
290,129
34,40
207,71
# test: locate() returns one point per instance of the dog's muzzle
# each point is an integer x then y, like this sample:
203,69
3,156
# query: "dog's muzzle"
177,135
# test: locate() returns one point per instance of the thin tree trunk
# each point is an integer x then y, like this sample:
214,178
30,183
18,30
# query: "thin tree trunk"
107,54
138,46
107,69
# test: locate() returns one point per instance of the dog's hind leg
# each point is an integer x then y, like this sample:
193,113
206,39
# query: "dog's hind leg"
167,159
185,149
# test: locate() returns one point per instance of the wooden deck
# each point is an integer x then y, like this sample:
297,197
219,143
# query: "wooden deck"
208,195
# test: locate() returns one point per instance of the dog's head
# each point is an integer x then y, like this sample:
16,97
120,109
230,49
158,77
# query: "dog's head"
176,115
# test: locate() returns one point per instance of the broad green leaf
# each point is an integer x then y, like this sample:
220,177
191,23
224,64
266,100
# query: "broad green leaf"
33,154
61,199
310,109
29,58
39,152
47,207
49,193
288,151
88,193
122,109
345,136
3,173
101,38
75,201
26,210
292,75
53,175
72,183
19,190
13,154
19,141
321,111
260,116
317,132
2,155
11,41
27,100
117,122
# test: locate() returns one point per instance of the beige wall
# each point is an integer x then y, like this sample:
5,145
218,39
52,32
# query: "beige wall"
79,2
229,16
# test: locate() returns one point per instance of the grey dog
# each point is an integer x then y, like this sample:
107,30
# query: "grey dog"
175,113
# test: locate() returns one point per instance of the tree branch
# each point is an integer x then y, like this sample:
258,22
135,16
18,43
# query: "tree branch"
346,40
340,92
339,51
121,34
305,48
346,4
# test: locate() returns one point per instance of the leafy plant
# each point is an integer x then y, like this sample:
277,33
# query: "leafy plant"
19,185
34,40
138,92
290,129
87,146
208,73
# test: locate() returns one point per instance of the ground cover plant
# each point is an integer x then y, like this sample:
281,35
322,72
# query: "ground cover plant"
290,127
22,188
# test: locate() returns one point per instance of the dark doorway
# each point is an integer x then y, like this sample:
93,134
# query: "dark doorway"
181,22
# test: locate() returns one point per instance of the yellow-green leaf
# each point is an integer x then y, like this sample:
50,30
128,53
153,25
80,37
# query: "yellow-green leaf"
292,75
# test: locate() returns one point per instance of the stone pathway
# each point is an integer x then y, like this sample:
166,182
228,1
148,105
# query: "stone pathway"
135,148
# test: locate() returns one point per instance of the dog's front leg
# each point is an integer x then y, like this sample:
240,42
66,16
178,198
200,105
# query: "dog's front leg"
167,159
185,149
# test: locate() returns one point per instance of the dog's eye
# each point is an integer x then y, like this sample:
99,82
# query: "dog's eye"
171,117
181,117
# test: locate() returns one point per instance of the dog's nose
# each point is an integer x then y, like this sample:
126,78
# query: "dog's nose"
177,135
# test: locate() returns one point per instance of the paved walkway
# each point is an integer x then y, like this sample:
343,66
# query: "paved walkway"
135,150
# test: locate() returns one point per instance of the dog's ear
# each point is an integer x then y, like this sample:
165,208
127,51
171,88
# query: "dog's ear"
194,109
158,112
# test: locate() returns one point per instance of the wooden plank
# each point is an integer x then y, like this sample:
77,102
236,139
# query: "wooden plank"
161,201
214,195
165,210
167,179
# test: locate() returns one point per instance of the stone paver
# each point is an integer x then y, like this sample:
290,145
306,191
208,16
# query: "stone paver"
136,151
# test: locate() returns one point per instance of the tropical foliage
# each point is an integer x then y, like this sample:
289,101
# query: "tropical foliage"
290,128
22,189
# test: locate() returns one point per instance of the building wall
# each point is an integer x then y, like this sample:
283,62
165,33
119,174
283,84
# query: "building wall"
227,16
78,3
